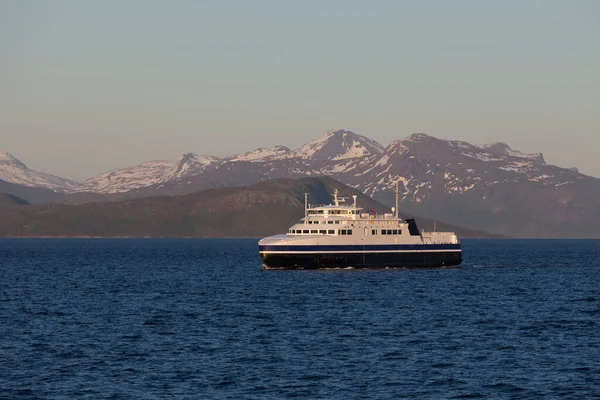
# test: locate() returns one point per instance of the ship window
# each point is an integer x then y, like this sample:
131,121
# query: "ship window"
337,222
395,232
383,232
399,231
315,222
342,231
330,222
310,222
349,231
331,232
320,212
323,232
374,232
305,231
313,231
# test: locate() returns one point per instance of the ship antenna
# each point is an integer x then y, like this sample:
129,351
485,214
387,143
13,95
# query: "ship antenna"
305,205
335,199
396,199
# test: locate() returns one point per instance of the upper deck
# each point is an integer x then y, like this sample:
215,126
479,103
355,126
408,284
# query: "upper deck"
350,223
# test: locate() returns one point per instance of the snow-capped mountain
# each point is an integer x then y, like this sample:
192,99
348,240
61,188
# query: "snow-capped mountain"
334,145
485,187
338,145
421,161
147,174
314,158
488,187
14,171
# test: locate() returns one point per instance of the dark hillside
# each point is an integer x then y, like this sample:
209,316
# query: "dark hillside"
251,211
11,199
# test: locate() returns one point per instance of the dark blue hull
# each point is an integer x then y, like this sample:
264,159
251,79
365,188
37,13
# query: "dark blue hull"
362,260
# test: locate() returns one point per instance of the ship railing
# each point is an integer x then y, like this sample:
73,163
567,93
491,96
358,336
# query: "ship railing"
377,216
440,237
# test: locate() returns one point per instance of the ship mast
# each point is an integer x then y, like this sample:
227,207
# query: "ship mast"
396,211
336,201
305,205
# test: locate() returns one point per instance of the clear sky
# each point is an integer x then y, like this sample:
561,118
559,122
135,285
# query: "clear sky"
88,86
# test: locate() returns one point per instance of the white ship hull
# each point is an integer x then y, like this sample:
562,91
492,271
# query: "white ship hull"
339,236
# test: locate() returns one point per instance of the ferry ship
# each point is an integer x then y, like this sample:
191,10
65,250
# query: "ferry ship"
343,236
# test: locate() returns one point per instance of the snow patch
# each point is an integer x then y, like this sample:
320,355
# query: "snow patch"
263,154
147,174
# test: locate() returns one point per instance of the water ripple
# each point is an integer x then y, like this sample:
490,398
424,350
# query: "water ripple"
187,319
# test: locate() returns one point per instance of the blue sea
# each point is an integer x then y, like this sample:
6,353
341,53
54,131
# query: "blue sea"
200,319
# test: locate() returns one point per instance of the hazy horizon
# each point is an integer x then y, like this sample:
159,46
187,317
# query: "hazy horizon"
93,86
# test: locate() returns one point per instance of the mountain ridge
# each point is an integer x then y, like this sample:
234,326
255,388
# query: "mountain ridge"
489,187
154,172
